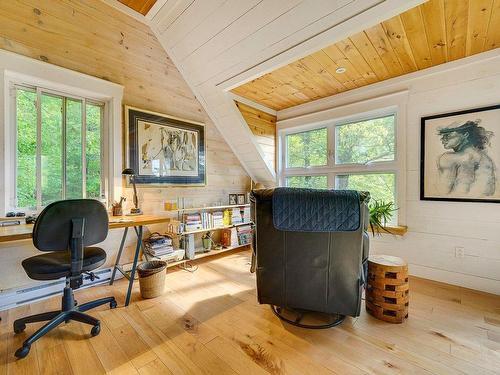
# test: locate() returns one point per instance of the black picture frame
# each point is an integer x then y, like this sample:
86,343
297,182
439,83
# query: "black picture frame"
423,126
133,116
233,199
241,198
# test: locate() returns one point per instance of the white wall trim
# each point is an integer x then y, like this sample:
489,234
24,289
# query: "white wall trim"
395,84
15,68
252,104
155,9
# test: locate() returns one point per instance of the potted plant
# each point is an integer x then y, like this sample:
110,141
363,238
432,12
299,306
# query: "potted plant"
380,214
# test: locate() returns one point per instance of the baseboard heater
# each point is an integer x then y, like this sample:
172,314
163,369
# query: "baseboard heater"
21,296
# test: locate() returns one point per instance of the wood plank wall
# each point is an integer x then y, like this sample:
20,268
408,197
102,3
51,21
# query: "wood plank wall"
91,37
263,126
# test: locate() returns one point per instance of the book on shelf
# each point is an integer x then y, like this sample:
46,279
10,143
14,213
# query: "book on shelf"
236,216
246,214
245,233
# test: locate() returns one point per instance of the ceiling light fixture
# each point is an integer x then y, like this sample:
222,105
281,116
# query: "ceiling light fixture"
340,70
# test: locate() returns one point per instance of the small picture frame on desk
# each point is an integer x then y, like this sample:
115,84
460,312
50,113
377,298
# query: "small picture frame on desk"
233,199
241,198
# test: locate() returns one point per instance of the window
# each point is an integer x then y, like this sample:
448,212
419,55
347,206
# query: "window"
357,154
58,147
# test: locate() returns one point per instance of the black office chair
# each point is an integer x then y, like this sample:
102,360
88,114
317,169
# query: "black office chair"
66,229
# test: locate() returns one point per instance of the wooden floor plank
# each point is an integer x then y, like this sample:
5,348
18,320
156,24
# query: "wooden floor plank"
209,322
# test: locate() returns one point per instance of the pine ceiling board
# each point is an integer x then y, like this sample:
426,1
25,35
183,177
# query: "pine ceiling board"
369,53
357,60
384,49
493,38
435,29
477,30
141,6
339,59
456,14
415,31
433,33
399,41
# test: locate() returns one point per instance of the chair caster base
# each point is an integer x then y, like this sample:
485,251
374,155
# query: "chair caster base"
95,330
23,351
335,319
19,327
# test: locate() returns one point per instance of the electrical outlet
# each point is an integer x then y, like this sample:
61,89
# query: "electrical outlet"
459,252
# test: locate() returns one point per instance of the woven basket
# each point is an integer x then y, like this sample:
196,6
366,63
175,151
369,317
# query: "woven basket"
152,278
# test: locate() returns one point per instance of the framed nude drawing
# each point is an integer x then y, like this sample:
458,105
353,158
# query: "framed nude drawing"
460,154
162,149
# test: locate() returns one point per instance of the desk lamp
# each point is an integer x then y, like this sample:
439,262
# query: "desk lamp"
130,172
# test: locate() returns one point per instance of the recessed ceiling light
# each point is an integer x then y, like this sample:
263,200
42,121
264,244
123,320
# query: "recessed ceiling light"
340,70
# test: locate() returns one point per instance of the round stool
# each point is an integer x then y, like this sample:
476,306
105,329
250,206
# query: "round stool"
387,292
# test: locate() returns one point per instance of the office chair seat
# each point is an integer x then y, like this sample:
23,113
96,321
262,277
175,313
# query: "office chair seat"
53,266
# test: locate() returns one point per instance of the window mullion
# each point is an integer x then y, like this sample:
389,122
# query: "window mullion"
64,143
38,149
84,148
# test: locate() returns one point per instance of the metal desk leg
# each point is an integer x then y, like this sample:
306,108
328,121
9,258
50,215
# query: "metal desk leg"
134,265
117,262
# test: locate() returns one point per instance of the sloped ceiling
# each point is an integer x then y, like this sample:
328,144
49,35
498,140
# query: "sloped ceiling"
218,45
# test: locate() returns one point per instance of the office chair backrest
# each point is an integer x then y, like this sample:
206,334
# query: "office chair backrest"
53,228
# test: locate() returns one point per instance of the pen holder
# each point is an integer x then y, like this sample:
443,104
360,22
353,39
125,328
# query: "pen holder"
117,211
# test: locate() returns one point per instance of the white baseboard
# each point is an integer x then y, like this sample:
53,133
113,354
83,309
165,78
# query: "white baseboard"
455,278
21,296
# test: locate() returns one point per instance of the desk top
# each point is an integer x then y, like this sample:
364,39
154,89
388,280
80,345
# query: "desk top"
24,231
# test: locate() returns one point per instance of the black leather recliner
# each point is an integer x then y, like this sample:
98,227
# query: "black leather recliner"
309,271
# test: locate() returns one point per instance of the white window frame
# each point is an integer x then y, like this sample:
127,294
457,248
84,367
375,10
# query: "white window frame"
20,70
373,108
39,91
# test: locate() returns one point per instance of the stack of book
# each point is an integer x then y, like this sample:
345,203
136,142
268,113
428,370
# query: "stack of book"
192,222
245,234
159,246
246,214
236,216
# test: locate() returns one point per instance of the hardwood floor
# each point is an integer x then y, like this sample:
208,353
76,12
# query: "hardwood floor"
210,322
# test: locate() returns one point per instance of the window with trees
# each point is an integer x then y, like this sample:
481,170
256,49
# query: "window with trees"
59,147
358,154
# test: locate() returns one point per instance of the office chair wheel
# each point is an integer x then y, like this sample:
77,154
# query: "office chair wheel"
19,327
95,330
22,351
113,305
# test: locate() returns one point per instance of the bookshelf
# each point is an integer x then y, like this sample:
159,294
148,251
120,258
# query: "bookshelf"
209,219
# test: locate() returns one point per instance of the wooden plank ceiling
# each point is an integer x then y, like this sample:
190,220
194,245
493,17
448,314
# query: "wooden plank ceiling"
433,33
141,6
263,127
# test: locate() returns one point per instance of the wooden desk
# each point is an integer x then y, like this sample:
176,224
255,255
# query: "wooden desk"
25,232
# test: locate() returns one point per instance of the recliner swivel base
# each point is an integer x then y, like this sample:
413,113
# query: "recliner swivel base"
335,319
70,311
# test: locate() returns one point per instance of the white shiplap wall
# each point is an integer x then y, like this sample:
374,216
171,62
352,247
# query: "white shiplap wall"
436,228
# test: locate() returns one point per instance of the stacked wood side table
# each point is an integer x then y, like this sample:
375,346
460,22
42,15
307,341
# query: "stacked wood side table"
387,292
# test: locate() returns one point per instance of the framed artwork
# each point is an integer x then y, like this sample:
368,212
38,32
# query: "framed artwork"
162,149
233,199
241,198
460,153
